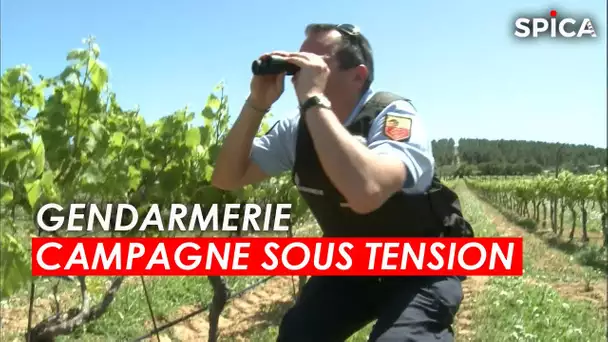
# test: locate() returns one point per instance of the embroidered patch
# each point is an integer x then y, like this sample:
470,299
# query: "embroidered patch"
397,127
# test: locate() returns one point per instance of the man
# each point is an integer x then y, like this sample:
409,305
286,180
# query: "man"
384,186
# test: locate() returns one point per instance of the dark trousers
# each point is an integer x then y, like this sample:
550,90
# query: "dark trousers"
330,309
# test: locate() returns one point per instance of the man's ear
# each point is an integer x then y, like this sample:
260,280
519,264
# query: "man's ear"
361,73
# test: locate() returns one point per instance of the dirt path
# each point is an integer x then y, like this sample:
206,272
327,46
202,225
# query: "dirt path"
464,327
259,308
592,291
471,288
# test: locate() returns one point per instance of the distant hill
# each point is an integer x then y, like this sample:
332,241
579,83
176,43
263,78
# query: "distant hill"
514,157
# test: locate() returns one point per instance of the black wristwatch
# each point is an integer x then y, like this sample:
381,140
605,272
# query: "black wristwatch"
314,101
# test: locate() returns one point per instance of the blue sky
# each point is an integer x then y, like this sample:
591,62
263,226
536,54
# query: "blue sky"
457,61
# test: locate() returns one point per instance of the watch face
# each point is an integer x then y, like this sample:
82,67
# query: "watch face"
323,101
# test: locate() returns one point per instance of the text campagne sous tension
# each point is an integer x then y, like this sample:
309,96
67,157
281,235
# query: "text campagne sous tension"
125,217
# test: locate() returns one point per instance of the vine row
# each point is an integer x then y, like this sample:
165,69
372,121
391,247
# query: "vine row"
65,139
577,195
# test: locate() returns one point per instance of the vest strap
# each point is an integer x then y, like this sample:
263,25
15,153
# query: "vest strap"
374,106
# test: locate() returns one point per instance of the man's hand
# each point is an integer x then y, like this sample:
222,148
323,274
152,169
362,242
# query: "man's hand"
312,77
266,90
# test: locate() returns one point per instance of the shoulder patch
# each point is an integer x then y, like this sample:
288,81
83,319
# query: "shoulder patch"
397,128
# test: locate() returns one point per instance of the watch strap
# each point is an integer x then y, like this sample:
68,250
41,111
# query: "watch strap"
312,102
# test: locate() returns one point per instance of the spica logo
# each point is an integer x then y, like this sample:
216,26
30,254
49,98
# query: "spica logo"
554,27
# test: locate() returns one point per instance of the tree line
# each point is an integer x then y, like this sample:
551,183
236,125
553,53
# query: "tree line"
514,157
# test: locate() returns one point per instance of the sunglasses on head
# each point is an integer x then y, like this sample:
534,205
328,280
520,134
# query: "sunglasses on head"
348,29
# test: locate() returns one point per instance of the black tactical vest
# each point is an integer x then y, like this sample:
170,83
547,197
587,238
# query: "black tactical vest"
432,214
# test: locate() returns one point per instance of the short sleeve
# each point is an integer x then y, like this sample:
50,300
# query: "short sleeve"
274,152
399,132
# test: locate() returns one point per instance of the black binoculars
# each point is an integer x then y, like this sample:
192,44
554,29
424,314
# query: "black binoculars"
272,65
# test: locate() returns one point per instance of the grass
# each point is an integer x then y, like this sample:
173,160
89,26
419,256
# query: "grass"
514,309
556,300
128,316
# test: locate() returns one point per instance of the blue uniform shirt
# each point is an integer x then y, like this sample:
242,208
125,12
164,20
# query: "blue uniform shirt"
275,152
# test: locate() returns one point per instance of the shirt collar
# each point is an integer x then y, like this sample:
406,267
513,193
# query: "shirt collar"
366,96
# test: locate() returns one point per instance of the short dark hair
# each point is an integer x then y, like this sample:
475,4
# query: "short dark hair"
352,51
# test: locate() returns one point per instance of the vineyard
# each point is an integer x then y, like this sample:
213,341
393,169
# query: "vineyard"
65,139
582,197
77,145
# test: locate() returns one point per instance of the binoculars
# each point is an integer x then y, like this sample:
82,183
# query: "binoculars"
272,65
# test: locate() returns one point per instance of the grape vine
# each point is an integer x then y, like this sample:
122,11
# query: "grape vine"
551,195
65,139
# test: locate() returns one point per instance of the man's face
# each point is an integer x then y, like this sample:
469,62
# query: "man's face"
342,84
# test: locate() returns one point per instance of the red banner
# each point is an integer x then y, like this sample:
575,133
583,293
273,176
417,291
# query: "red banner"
276,256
